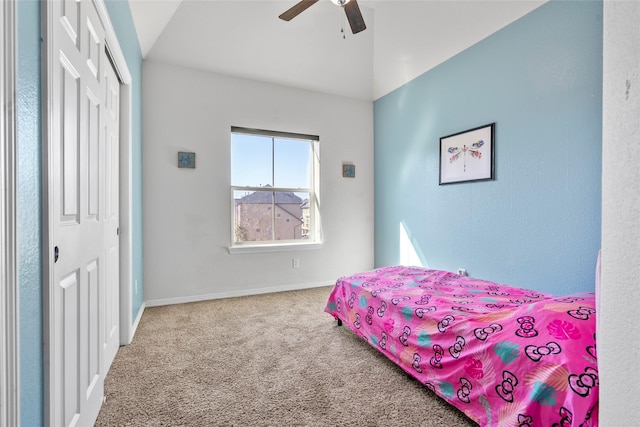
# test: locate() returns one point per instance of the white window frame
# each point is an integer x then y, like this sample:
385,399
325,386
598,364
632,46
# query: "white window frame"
314,199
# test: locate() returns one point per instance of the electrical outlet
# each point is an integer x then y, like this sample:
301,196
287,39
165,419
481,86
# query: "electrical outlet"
295,263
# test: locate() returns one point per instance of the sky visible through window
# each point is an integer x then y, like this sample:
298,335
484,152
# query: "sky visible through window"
251,162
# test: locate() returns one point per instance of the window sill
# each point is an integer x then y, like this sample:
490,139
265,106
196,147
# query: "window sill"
284,247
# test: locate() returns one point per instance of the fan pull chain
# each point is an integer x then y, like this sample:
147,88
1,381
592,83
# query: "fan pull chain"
344,36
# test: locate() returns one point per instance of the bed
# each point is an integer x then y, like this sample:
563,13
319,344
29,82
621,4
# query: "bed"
502,355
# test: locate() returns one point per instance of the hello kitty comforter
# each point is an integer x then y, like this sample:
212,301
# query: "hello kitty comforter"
504,356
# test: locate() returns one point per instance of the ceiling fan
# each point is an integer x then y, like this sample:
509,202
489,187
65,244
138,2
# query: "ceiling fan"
351,9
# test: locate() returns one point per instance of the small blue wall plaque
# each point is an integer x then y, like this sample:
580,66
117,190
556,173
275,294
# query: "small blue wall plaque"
349,171
186,159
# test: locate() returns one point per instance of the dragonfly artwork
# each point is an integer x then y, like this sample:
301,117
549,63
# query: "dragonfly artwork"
468,155
473,151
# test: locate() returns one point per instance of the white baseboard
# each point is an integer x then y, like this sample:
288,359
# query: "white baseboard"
137,321
231,294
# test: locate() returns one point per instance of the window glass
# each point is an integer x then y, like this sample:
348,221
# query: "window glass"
251,160
292,163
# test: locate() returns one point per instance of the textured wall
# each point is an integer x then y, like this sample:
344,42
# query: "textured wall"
29,213
538,224
619,329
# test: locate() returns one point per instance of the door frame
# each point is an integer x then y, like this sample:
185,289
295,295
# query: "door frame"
114,51
9,332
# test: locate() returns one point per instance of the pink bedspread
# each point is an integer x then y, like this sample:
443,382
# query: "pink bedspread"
504,356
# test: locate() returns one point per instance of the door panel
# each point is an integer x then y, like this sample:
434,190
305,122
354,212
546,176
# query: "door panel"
92,304
69,156
93,53
93,138
69,18
112,210
69,287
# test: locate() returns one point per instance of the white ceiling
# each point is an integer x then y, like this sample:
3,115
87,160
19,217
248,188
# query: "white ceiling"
245,38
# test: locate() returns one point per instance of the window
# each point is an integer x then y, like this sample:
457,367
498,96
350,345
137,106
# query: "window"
274,188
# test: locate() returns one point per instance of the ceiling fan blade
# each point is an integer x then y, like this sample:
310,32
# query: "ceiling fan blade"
354,16
297,9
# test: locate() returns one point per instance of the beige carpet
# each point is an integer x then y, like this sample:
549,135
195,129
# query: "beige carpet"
266,360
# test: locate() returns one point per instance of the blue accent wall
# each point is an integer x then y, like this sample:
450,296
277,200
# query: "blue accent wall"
29,212
29,182
538,224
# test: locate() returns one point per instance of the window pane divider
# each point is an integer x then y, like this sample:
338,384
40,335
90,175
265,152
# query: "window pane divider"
273,189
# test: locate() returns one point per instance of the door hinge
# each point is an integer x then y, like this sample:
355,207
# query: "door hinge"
118,231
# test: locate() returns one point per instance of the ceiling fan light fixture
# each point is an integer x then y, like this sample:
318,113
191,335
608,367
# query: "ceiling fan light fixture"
340,3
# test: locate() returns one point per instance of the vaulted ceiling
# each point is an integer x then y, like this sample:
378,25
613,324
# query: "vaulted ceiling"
245,38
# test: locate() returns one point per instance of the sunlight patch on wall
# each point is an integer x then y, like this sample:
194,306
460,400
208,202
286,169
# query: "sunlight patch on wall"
408,252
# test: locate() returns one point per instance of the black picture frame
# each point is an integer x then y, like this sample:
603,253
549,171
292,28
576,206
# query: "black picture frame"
468,155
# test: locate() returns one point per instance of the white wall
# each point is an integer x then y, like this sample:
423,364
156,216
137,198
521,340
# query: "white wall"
187,212
619,320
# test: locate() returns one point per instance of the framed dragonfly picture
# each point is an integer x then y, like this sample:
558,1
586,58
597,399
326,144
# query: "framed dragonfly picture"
468,155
